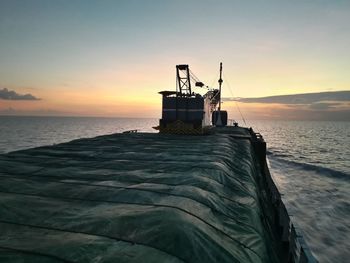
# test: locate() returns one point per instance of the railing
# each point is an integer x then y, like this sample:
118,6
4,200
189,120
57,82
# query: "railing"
130,131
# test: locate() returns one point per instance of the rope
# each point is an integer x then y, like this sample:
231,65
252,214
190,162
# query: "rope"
228,84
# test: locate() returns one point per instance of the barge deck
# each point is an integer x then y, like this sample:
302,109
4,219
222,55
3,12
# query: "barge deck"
145,197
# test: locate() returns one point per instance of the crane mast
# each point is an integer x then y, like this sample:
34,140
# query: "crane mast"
183,80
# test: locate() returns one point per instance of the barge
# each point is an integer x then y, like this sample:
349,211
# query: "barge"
173,196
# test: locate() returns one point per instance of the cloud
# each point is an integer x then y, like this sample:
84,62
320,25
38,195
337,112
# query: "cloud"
6,94
309,106
324,105
307,98
39,112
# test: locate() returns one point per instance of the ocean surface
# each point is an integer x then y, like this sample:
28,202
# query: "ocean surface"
310,162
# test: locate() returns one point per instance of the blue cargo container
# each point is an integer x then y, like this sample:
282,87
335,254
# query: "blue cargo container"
186,109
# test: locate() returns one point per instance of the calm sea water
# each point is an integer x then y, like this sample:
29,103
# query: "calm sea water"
309,160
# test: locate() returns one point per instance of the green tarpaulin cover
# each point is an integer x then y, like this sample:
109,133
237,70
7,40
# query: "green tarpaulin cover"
135,198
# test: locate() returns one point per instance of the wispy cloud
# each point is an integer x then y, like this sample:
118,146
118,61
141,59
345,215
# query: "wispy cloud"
324,105
39,112
307,98
308,106
6,94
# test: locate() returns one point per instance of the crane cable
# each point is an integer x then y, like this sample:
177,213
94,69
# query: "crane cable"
195,79
193,76
216,79
228,84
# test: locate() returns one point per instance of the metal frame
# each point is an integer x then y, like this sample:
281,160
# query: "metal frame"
183,79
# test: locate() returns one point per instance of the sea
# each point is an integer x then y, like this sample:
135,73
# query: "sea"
309,160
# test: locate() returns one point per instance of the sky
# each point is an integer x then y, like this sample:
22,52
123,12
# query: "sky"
110,58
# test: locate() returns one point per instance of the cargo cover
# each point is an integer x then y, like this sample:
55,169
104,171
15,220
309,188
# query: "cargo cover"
137,197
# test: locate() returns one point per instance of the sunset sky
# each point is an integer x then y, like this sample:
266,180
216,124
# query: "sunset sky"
110,58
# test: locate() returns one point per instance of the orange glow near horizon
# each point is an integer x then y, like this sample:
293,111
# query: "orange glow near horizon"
132,91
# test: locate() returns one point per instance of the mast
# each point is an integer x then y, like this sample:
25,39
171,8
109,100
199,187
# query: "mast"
220,83
218,121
